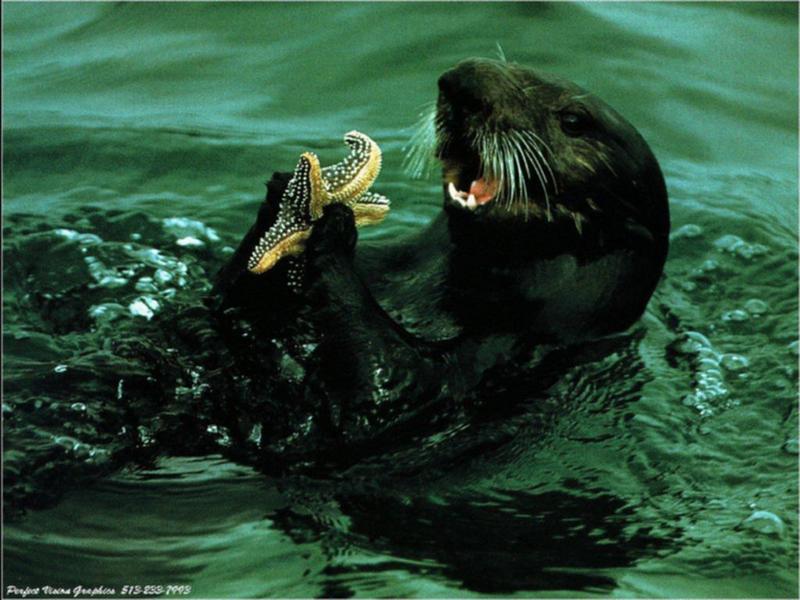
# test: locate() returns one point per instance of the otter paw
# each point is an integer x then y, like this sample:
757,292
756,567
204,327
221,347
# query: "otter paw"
276,185
335,232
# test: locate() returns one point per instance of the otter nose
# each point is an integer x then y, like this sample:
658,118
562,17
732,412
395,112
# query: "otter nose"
475,84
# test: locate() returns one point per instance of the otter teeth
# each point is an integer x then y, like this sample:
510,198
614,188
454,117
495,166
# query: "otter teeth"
463,199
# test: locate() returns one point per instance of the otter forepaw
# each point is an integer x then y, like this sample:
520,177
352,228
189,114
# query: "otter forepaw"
334,232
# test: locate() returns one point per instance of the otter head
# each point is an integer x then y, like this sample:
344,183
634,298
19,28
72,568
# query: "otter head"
528,152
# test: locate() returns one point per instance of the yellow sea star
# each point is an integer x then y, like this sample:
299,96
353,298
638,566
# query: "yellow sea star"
313,187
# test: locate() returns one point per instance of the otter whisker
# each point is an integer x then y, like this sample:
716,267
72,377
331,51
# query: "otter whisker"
521,160
511,158
578,220
543,181
492,162
606,162
520,155
506,183
501,55
514,173
419,152
540,174
534,141
541,163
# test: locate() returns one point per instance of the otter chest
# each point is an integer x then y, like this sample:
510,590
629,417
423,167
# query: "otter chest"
568,297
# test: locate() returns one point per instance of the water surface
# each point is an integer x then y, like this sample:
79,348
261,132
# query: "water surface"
137,138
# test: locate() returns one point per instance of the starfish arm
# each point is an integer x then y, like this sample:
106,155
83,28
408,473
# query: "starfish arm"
370,209
318,192
313,187
351,178
292,225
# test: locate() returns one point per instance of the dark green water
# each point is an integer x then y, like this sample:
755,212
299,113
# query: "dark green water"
136,142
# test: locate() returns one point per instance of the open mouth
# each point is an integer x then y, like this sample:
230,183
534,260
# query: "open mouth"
467,186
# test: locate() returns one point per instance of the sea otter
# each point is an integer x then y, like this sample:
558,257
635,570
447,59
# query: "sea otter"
554,230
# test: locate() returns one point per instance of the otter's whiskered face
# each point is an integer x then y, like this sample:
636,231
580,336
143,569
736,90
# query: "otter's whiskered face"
517,144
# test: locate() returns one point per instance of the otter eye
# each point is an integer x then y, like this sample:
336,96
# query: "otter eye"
574,122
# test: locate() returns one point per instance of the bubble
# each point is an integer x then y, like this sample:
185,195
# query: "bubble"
99,456
699,338
7,409
690,400
758,250
790,446
66,442
111,281
144,306
104,276
255,434
162,276
710,392
734,362
145,284
168,265
705,411
183,227
756,307
84,239
145,437
704,352
693,342
82,451
151,257
136,236
78,406
749,251
69,234
728,242
762,521
712,374
737,316
715,391
222,438
190,242
709,265
60,369
708,364
106,312
735,245
690,230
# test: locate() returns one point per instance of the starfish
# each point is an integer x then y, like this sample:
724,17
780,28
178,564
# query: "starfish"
310,189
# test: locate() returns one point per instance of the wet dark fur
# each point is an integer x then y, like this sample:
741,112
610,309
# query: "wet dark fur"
392,336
